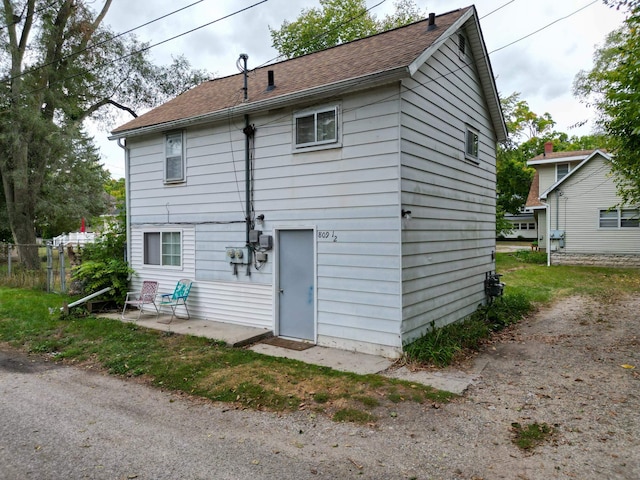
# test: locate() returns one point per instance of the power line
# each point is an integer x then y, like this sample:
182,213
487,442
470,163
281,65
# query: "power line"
543,28
95,45
149,47
496,9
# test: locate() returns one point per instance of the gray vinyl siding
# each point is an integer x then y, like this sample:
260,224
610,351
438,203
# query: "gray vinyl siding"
447,245
351,191
583,195
548,173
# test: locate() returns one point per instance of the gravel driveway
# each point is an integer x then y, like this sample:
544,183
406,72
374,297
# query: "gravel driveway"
562,367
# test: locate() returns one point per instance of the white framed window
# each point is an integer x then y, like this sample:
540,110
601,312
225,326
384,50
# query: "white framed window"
562,170
174,157
163,248
532,226
619,218
316,127
472,144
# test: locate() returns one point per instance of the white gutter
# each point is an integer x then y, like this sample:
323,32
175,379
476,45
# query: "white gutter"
127,197
322,91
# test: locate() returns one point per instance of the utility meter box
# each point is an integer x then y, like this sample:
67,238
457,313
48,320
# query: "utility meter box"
237,255
254,236
266,242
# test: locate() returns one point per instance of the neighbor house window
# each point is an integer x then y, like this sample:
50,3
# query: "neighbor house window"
622,218
316,128
163,248
472,144
174,157
562,170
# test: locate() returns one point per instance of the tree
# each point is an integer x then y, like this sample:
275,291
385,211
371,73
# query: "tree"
613,87
336,22
61,66
528,134
72,189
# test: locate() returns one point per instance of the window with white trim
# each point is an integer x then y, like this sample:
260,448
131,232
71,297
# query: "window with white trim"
174,157
318,127
163,248
619,218
562,170
472,144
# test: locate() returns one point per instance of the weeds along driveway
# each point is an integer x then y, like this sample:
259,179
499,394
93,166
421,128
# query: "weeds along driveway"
568,367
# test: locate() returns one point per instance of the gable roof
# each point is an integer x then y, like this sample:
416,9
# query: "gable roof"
533,200
561,157
375,60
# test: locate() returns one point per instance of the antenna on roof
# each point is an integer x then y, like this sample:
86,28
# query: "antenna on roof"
241,63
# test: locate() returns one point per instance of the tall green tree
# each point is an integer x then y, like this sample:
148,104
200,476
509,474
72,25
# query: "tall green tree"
528,134
613,87
59,66
336,22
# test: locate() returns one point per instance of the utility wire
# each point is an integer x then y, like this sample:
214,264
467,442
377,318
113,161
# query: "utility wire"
95,45
486,57
149,47
496,9
544,28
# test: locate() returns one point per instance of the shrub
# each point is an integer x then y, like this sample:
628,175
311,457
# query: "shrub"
529,256
103,265
439,346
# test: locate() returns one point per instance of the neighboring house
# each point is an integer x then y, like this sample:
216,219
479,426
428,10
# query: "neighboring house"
523,226
366,173
574,200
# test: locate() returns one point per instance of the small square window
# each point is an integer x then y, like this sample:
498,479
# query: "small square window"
174,157
562,170
162,248
608,218
316,128
472,144
532,226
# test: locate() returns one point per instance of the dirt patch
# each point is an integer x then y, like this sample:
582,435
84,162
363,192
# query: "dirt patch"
569,367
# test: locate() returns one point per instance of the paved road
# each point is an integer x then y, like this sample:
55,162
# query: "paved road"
60,422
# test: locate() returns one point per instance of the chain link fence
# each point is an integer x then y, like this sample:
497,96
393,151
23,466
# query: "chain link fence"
54,274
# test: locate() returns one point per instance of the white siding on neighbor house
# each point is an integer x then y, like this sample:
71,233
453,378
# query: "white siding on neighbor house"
448,243
350,191
583,195
548,173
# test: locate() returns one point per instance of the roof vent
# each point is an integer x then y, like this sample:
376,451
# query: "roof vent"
432,22
271,83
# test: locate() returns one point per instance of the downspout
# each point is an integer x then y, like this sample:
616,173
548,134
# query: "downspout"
127,198
248,133
548,234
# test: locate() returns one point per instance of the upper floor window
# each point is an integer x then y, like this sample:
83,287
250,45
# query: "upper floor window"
619,218
174,157
562,170
472,144
316,127
163,248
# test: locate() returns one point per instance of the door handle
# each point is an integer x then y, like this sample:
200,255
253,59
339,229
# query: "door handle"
281,290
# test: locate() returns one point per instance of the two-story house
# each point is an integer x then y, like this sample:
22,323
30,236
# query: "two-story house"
344,198
578,213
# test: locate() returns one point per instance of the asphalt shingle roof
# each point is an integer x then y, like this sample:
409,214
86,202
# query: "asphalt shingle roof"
369,56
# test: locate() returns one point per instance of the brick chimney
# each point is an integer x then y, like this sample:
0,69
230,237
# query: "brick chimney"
548,148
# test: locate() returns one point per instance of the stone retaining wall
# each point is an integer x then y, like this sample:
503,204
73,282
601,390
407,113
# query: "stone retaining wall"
599,259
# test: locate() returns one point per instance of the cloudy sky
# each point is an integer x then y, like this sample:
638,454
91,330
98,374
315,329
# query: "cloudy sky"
541,67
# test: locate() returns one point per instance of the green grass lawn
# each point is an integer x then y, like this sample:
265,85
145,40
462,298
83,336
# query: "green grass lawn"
246,379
